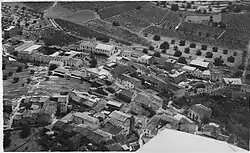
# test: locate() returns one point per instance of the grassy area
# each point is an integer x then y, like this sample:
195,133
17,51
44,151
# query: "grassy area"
38,6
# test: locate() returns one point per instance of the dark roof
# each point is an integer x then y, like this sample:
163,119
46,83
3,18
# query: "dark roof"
110,128
127,93
119,70
115,147
140,67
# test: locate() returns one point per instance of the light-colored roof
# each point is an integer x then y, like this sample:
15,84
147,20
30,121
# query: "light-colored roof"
31,48
199,63
85,116
206,72
235,81
25,45
189,68
114,103
9,28
181,142
104,47
200,59
118,115
145,56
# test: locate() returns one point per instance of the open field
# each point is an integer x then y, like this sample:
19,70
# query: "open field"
38,6
117,32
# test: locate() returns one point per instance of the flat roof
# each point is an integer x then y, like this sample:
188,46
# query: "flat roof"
115,103
181,142
189,68
206,72
25,45
199,63
9,28
235,81
33,47
104,47
146,56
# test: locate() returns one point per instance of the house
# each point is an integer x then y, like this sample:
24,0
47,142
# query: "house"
133,55
189,69
176,76
123,61
62,102
109,66
114,105
146,59
26,54
140,68
200,64
156,82
126,95
198,112
48,112
187,126
169,64
151,127
84,118
119,70
87,46
61,72
129,82
104,134
105,49
206,74
234,84
126,53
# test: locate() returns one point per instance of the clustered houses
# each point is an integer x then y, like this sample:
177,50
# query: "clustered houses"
198,112
99,48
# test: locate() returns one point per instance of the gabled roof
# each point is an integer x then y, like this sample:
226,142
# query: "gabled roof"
120,116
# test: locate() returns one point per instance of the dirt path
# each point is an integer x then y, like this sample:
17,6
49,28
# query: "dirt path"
55,3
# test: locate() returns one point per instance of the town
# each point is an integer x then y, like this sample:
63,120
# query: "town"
99,95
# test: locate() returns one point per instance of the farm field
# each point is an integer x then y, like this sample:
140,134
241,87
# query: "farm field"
238,22
161,31
38,6
117,32
171,20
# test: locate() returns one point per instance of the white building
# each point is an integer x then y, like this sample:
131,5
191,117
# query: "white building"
146,59
26,53
108,50
84,118
189,69
200,64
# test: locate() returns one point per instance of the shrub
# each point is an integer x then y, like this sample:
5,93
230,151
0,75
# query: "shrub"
187,50
198,52
10,73
32,71
209,55
192,45
157,54
103,39
93,62
175,48
145,51
151,48
19,69
215,49
231,59
3,67
156,38
5,77
52,67
225,51
164,45
235,53
15,80
174,7
145,34
238,74
182,42
182,60
115,23
218,61
164,51
15,53
203,47
172,41
28,80
177,53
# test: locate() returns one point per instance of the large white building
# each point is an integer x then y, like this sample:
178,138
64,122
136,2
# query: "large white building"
99,48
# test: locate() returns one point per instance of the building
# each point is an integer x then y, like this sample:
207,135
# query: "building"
108,50
146,59
24,45
123,61
87,46
169,64
189,69
234,84
10,32
142,69
26,53
114,105
176,76
126,95
84,118
122,120
200,64
129,82
198,112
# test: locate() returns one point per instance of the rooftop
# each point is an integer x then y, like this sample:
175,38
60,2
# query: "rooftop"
189,68
85,115
114,103
206,72
9,28
199,63
234,81
119,115
104,47
32,48
145,56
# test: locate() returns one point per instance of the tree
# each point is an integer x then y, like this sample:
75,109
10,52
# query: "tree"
187,50
182,42
32,71
238,74
218,61
172,41
145,34
26,131
192,45
182,60
115,23
214,24
209,55
175,48
164,51
145,51
225,51
23,8
215,49
198,52
5,77
164,45
15,53
156,38
157,54
93,62
204,11
3,67
52,67
241,67
177,53
188,6
138,7
16,6
237,9
205,120
203,47
10,73
7,140
235,53
15,79
28,80
19,69
174,7
151,48
231,59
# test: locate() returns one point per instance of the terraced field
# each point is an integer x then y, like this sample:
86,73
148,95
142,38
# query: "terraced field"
117,32
161,31
171,20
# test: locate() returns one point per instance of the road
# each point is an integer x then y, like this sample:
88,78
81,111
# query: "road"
247,59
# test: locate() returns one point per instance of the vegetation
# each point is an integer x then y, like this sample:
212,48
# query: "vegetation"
225,51
182,43
115,23
10,73
145,51
19,69
215,49
157,38
26,131
231,59
198,52
151,48
172,41
164,45
52,67
187,50
209,55
103,39
175,48
32,71
15,79
164,51
218,61
177,53
238,74
93,62
7,140
192,45
182,60
203,47
157,54
174,7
